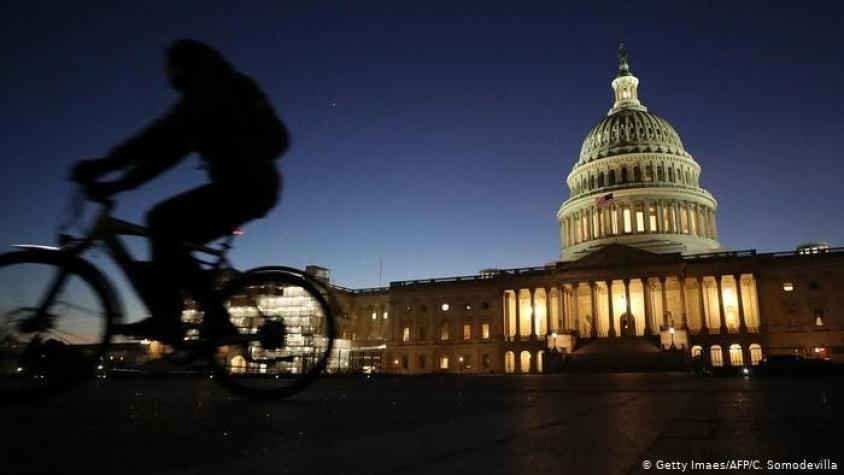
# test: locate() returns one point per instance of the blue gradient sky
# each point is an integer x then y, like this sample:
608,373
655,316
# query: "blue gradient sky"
436,136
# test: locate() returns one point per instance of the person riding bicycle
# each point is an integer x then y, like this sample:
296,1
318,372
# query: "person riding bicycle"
225,118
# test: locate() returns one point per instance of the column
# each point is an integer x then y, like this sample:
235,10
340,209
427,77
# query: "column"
664,304
742,325
575,313
660,226
506,315
533,320
704,321
593,292
548,317
627,300
723,329
646,289
682,279
562,314
619,216
611,331
518,334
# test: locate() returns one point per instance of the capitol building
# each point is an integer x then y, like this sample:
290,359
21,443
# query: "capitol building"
642,281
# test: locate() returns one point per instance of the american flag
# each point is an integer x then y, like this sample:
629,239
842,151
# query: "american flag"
604,201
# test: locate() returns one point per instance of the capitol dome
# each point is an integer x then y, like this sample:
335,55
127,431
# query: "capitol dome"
635,184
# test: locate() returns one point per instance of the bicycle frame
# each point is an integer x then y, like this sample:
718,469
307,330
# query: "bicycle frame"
107,231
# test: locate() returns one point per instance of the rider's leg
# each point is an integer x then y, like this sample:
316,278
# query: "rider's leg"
197,216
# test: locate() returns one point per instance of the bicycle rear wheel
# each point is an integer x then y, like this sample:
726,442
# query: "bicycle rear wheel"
49,344
288,324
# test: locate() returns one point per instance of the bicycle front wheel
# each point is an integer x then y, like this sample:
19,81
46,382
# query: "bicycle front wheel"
287,325
56,314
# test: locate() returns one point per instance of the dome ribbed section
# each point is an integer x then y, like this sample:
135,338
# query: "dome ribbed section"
630,131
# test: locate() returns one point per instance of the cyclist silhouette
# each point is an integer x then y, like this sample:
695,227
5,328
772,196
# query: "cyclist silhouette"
225,118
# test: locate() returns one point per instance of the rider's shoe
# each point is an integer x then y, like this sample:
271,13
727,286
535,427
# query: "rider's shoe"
153,328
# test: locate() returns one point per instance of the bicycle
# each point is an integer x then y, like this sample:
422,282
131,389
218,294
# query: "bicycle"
58,314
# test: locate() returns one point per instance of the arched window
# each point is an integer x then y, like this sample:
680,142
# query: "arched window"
715,355
660,174
509,362
637,173
688,178
649,173
591,182
524,363
624,174
600,179
539,356
736,358
612,177
696,351
671,175
755,354
405,334
237,365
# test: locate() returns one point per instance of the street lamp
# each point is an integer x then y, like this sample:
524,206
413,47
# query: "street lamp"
671,331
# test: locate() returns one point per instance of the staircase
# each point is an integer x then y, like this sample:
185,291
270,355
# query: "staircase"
625,354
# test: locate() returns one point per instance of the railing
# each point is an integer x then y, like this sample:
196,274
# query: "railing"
752,252
368,290
637,184
469,278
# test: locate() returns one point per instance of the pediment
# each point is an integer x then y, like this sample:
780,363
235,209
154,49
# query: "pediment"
619,255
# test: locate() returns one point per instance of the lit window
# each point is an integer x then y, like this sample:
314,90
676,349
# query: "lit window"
755,354
628,224
485,331
443,362
788,286
467,331
374,315
468,306
386,314
736,358
445,307
444,331
405,334
696,351
716,356
818,317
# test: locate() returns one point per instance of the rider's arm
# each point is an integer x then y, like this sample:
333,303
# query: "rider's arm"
155,149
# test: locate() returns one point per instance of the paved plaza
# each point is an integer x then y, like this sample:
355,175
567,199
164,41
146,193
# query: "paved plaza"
578,424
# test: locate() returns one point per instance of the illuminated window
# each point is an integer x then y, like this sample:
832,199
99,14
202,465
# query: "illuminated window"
374,315
485,331
628,225
788,286
736,358
696,351
755,354
652,218
509,362
386,315
444,330
445,307
715,355
443,362
467,331
640,219
818,317
405,334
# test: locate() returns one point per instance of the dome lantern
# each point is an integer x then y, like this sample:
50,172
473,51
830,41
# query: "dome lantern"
626,86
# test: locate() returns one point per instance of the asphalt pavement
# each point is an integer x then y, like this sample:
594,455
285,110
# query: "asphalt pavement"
580,424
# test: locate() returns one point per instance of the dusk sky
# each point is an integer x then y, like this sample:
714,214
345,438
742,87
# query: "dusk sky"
436,136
